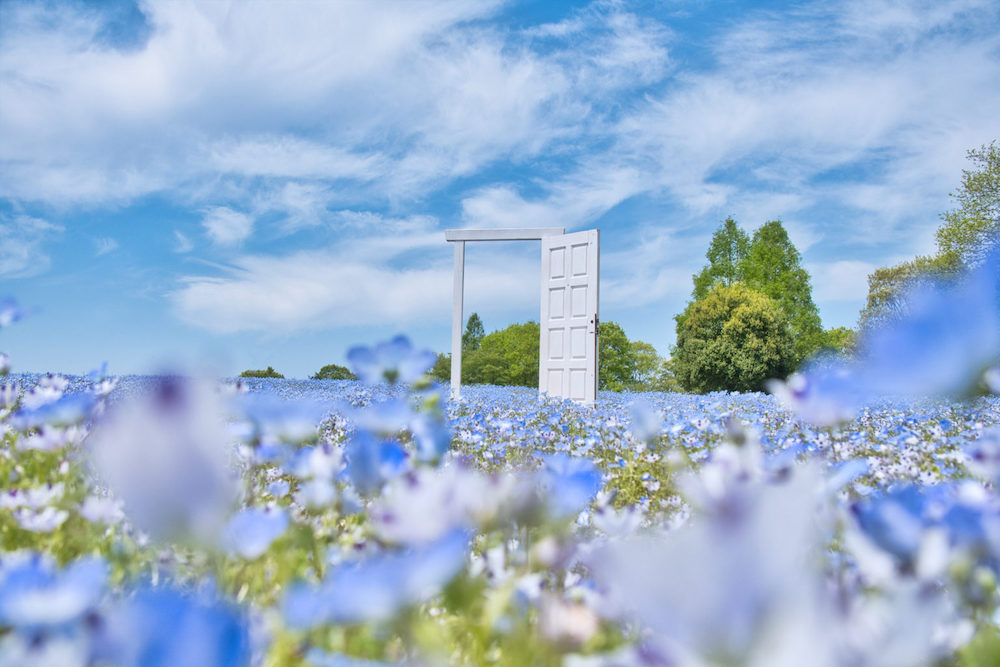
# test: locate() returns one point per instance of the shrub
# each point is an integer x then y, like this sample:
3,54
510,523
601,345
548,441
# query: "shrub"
334,372
266,373
734,339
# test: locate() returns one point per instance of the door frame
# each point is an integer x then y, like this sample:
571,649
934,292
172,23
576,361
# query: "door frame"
459,237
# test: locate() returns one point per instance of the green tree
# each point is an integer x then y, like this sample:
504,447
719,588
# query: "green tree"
734,339
840,340
266,373
887,286
773,266
505,357
726,255
970,230
616,362
474,332
334,372
652,372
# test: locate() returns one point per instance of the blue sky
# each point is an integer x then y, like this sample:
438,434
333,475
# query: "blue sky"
250,184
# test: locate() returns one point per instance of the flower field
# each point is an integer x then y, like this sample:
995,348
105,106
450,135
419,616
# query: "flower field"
181,521
165,521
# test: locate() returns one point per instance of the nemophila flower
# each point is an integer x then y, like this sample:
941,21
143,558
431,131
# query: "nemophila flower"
431,437
370,461
96,509
166,628
375,589
646,421
317,658
65,410
35,594
315,462
393,361
568,483
8,395
251,531
44,520
984,456
730,588
4,363
316,494
275,420
165,455
49,388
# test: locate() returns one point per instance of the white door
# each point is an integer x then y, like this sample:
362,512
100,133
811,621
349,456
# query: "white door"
568,350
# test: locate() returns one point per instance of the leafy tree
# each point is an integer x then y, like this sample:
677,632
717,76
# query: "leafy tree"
474,333
734,339
652,372
971,230
887,286
505,357
334,372
726,255
441,370
616,363
840,340
773,266
266,373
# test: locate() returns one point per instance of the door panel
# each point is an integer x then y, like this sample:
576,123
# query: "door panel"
568,345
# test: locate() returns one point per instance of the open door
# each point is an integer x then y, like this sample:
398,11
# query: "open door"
568,348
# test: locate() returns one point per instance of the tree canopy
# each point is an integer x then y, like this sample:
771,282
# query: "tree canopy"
967,234
334,372
769,263
970,230
510,357
266,373
734,339
474,333
726,256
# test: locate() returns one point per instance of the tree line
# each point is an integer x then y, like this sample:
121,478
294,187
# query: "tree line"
751,316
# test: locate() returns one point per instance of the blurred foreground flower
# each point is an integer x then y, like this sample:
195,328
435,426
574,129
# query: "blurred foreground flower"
165,455
390,361
375,589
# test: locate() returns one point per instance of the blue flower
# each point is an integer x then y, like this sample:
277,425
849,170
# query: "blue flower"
390,361
165,628
370,462
251,531
569,484
34,594
377,588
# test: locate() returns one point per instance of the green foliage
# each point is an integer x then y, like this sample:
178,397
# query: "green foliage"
505,357
441,370
887,286
474,333
616,363
726,255
968,233
840,340
773,266
971,229
734,339
266,373
768,263
334,372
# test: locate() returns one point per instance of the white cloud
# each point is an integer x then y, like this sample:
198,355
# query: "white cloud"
105,245
182,243
360,282
21,245
845,280
226,226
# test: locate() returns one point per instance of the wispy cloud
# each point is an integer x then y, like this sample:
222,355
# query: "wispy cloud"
227,227
22,251
104,245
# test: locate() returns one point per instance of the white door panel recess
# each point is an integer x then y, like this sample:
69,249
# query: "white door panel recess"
567,365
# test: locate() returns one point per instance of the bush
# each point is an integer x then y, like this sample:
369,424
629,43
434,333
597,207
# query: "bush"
334,372
266,373
734,339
